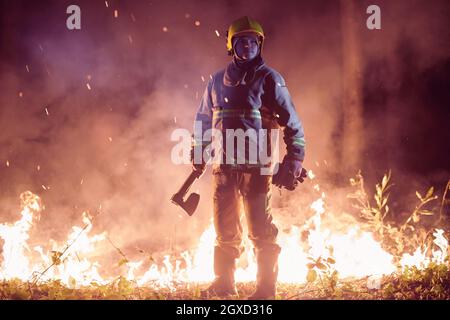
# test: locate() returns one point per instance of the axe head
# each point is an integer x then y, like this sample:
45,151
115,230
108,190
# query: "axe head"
191,203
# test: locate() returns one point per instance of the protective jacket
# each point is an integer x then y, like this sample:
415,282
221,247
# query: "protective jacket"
249,96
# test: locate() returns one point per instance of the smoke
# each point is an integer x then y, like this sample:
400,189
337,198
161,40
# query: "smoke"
86,116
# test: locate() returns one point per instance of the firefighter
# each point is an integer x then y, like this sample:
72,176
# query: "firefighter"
247,94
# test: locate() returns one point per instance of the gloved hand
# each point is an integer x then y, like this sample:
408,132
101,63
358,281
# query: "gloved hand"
290,172
197,166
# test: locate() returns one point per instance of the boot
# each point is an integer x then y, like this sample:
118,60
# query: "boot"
266,278
223,285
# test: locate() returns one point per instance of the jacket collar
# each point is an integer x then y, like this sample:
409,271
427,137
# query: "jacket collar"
239,73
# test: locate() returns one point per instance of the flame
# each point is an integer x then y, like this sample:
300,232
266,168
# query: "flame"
420,259
75,268
15,262
355,252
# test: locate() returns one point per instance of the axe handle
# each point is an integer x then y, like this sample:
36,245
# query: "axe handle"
188,183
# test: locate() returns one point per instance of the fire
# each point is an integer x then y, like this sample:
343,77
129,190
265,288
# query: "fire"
15,262
73,267
354,252
68,262
420,259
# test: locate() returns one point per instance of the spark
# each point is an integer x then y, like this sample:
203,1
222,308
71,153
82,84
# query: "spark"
81,182
44,187
210,76
317,164
311,175
165,29
20,94
226,99
316,187
197,23
89,77
28,69
203,78
38,167
217,33
106,4
175,119
110,139
46,111
88,86
116,13
7,163
130,39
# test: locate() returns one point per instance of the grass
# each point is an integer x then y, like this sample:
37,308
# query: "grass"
432,282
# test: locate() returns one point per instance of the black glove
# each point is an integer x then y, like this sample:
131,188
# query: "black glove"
290,173
197,166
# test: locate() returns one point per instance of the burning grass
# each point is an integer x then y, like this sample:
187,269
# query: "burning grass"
373,258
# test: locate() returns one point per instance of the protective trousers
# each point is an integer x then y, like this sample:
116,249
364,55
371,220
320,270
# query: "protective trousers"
229,186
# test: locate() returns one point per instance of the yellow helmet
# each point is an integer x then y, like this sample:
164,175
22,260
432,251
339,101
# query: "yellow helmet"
241,25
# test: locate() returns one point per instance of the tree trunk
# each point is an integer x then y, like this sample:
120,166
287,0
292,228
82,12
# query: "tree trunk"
352,125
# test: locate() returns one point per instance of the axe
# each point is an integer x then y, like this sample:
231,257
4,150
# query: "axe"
191,202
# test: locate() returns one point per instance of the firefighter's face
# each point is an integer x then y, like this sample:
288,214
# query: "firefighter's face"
246,47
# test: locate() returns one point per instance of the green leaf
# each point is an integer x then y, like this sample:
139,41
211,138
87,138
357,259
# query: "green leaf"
122,262
429,192
331,249
72,282
321,266
426,212
377,199
311,265
311,276
56,257
418,195
378,188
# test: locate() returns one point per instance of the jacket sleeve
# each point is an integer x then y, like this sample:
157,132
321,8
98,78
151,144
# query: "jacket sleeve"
278,99
203,119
